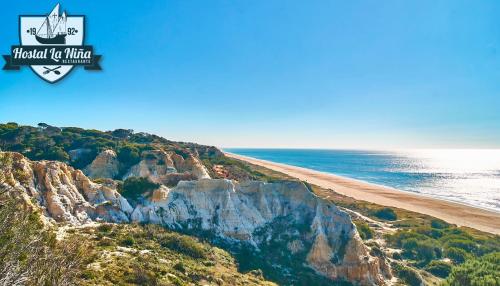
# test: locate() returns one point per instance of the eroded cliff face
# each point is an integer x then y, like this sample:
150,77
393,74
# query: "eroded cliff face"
167,169
157,165
105,165
249,212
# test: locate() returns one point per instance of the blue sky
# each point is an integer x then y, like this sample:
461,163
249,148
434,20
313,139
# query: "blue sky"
266,73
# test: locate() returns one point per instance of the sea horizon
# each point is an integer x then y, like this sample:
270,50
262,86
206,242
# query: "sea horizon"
466,176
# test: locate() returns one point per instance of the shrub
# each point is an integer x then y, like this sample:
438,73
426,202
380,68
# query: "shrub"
127,241
105,228
29,251
408,275
427,250
142,276
134,187
439,268
439,224
365,232
397,238
430,232
56,153
461,243
183,244
179,266
483,271
423,250
397,256
385,213
456,254
128,155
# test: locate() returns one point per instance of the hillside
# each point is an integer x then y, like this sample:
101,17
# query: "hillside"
131,195
279,227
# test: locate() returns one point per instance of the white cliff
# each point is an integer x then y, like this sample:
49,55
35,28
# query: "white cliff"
236,212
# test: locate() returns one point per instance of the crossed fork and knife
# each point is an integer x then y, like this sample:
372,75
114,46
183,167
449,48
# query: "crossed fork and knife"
54,70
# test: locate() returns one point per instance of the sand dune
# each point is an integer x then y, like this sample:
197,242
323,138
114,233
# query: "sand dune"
456,213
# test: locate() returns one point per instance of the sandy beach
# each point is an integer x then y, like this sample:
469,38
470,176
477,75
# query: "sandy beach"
456,213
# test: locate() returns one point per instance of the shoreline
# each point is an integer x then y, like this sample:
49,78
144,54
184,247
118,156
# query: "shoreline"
449,211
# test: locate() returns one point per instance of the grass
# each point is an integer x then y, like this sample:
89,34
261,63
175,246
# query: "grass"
157,257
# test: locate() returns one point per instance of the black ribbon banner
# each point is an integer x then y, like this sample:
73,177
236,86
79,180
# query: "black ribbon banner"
52,55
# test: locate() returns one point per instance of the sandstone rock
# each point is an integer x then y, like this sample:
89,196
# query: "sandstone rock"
67,195
191,164
168,169
105,165
155,165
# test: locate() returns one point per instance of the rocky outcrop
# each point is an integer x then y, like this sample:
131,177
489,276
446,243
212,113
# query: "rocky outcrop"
248,212
157,165
168,169
66,194
191,165
105,165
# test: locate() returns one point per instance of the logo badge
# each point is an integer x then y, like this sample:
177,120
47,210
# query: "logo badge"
52,45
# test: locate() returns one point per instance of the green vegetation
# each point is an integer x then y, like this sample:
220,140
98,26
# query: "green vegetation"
483,271
426,243
77,146
157,257
439,268
149,255
408,275
365,232
135,187
237,169
277,260
29,252
385,213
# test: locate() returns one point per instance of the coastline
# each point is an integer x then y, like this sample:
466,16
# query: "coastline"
451,212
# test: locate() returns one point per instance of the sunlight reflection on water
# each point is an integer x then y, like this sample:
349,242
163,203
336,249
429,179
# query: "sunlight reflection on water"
470,176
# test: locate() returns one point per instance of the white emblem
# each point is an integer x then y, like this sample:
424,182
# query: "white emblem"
54,29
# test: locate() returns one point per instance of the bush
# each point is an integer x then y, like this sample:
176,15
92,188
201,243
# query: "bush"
128,155
430,232
179,266
408,275
56,153
483,271
457,255
105,228
386,213
29,251
397,256
183,244
365,232
439,268
134,187
423,250
461,243
439,224
397,238
127,241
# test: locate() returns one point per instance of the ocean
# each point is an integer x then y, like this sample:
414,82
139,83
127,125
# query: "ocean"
466,176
